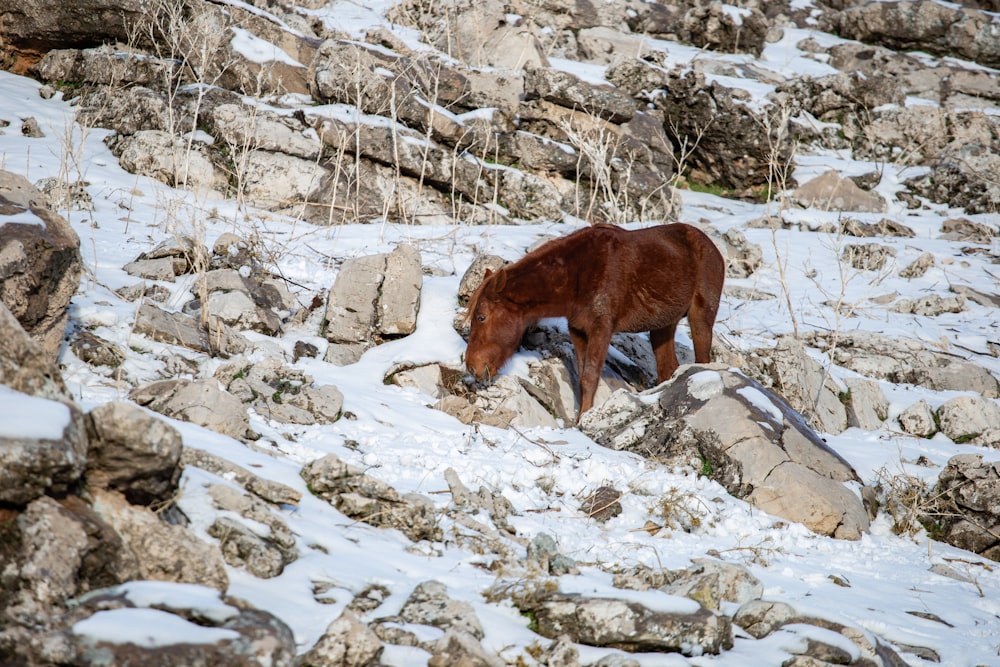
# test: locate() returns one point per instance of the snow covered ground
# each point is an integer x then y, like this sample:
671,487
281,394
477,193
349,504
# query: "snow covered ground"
875,583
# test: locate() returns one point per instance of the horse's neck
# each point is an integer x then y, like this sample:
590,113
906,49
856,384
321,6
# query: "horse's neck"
538,285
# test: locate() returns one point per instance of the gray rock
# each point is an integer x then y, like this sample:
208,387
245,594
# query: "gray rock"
922,25
743,436
918,420
47,455
762,617
180,329
24,365
429,604
53,553
346,642
268,490
200,402
369,500
133,452
711,582
830,192
223,631
160,550
630,626
96,351
460,649
906,360
868,408
169,159
40,262
971,419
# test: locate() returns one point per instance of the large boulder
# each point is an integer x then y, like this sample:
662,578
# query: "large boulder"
40,262
133,452
745,437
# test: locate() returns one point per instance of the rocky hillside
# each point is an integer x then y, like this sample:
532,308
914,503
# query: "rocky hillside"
236,245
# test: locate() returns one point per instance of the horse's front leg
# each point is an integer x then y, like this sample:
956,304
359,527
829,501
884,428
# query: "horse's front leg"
590,362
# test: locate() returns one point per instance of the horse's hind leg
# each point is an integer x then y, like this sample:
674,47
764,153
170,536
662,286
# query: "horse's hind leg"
662,341
701,319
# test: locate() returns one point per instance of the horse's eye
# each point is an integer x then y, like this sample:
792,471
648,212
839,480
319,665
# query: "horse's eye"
481,318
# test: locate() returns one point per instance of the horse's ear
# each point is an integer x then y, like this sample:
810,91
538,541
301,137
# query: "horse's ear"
500,282
487,274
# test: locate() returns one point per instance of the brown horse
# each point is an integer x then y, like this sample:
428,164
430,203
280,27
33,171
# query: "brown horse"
602,279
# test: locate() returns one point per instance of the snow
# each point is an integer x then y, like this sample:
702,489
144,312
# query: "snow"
148,628
394,435
23,416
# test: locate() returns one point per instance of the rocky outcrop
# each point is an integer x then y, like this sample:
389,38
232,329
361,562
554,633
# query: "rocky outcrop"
737,432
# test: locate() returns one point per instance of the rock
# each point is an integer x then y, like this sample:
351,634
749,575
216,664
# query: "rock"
918,420
923,25
265,489
460,649
96,351
54,552
169,159
624,624
906,360
31,28
134,453
429,604
346,642
967,231
543,553
971,419
263,543
965,511
744,437
219,631
805,384
736,142
930,305
43,446
602,504
200,402
762,617
160,550
279,392
369,500
868,407
180,329
374,296
399,301
711,582
24,365
830,192
568,90
40,262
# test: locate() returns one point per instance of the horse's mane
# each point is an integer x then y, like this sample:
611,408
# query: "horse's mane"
499,277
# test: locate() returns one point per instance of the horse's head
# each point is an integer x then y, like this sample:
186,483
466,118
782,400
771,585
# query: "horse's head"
495,327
